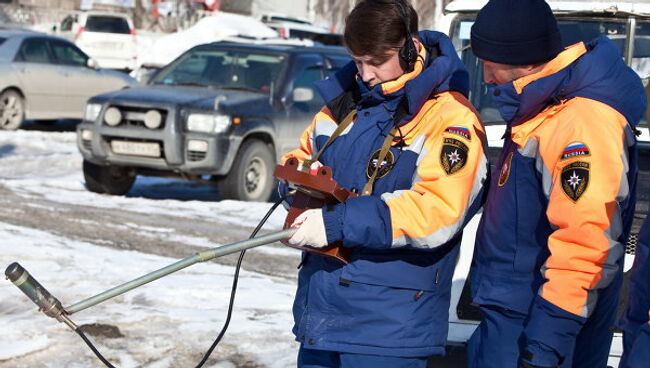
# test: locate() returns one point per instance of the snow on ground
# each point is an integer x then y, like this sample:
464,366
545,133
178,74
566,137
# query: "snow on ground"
188,304
31,166
180,313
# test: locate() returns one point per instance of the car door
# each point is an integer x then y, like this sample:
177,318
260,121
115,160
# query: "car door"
82,82
43,81
305,70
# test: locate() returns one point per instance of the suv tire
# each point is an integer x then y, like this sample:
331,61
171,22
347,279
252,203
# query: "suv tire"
251,176
12,110
108,179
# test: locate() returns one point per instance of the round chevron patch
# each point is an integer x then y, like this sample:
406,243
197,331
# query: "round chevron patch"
384,168
453,155
575,179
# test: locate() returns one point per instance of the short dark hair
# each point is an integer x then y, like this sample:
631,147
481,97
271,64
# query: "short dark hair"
375,26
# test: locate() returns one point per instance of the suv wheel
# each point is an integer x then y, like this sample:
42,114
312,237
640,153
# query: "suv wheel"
251,175
12,110
108,179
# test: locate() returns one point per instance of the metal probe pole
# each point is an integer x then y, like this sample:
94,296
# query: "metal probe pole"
52,307
185,262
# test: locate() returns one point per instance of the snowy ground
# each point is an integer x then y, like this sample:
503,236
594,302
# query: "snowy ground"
78,243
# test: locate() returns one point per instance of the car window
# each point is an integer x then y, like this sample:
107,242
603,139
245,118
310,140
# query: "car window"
107,24
306,79
336,62
67,54
66,23
34,50
223,69
2,40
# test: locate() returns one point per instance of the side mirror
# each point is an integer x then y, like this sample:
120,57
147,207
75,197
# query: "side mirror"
302,94
92,63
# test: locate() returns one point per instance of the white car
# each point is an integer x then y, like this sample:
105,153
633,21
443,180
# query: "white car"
44,77
288,27
109,38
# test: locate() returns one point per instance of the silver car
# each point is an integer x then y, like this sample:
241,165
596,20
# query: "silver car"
45,77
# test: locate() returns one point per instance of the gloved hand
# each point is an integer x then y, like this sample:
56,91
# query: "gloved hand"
311,229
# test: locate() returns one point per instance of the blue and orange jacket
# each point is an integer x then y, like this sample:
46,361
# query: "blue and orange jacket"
393,297
634,322
561,199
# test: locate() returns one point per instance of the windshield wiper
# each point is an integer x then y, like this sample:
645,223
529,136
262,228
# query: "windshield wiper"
189,84
247,89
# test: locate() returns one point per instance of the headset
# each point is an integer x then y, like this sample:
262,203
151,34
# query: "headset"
408,53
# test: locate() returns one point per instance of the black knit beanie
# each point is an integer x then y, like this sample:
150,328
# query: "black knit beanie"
516,32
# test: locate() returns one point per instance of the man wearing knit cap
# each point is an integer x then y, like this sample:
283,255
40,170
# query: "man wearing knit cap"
549,250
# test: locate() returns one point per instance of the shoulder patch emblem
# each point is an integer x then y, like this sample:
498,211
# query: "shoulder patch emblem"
384,168
575,149
453,155
459,130
575,179
505,170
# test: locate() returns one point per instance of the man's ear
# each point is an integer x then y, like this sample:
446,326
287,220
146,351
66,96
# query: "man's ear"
534,68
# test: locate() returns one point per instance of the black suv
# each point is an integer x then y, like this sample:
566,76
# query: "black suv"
223,112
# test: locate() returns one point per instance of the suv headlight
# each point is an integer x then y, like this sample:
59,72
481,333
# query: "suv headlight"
208,123
92,111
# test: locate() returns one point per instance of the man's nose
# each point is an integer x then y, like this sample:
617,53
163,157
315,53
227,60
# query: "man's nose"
367,74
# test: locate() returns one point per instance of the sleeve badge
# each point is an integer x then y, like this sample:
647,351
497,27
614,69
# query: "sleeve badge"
575,179
459,130
575,149
504,173
453,155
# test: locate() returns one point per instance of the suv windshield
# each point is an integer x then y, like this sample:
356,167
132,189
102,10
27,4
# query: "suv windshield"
107,24
573,30
223,69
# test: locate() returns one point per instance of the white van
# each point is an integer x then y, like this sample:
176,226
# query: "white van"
108,38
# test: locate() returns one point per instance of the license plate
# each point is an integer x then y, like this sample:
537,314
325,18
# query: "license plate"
136,148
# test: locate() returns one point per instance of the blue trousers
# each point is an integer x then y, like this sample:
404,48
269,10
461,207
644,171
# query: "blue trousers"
636,353
498,341
310,358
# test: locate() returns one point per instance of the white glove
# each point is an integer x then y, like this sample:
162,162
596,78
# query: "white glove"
311,229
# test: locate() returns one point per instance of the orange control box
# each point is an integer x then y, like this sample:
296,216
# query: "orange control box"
313,190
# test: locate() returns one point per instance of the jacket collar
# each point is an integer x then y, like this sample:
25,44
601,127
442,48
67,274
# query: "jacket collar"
443,71
594,70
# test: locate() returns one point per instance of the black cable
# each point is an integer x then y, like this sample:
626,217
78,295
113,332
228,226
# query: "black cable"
92,347
233,292
234,285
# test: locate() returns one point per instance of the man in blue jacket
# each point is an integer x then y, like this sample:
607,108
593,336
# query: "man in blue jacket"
547,267
414,153
635,324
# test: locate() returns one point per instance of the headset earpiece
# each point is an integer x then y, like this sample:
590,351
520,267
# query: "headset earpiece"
408,53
